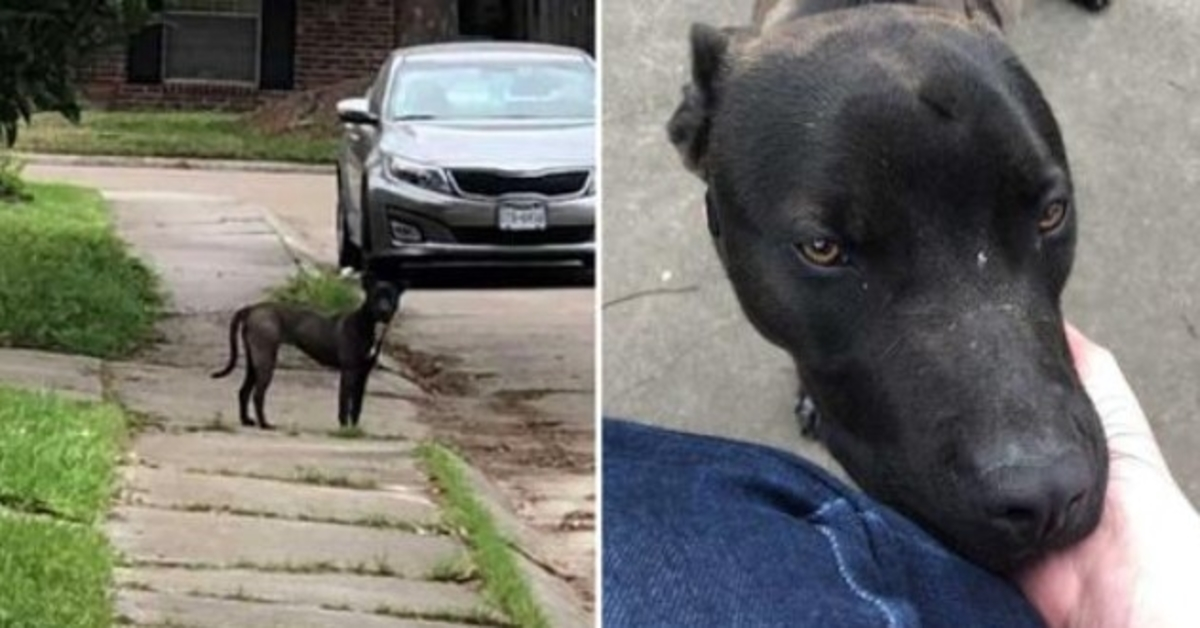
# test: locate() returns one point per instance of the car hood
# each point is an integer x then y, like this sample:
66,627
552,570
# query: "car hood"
492,144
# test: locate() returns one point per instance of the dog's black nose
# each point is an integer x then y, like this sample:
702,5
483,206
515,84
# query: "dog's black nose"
1036,503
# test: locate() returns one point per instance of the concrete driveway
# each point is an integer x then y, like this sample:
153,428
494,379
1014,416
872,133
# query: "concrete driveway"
677,350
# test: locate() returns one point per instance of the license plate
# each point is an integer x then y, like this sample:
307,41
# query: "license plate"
521,217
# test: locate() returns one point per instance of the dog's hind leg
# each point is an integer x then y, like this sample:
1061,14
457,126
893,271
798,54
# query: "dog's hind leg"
260,394
244,395
263,359
248,383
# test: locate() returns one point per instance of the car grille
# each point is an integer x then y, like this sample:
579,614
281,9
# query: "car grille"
486,183
553,235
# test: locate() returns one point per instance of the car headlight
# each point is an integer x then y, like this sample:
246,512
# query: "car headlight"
418,174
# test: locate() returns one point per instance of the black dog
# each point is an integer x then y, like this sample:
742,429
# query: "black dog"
890,196
349,343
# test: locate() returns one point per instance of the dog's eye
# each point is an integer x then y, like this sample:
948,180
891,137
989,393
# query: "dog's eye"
822,252
1053,216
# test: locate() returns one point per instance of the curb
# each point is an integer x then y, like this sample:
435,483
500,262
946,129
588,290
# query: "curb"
177,163
555,598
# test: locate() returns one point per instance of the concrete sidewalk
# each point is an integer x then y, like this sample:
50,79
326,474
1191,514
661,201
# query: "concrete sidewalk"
220,526
216,523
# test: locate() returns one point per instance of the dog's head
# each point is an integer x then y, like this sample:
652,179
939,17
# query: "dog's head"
890,196
383,301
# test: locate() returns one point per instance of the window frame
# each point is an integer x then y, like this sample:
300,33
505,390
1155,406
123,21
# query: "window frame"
165,17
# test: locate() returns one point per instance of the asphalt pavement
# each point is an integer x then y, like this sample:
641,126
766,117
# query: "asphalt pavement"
1125,87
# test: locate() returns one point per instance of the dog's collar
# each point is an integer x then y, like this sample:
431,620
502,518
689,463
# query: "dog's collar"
710,211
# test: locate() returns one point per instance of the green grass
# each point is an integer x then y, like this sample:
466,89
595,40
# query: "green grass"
504,586
67,282
57,472
456,569
325,292
57,456
54,574
211,135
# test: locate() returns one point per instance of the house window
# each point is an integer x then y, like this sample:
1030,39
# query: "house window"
211,40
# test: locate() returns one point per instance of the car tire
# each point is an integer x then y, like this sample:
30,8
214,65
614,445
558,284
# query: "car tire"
349,254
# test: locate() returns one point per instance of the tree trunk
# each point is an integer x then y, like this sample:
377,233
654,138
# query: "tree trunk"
425,21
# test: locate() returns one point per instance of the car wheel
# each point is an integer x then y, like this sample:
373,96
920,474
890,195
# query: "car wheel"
349,254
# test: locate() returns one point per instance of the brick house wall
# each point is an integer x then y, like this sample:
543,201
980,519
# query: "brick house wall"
342,39
332,40
305,44
105,85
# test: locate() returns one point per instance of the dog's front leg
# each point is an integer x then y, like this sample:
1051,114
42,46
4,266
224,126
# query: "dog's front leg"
358,390
345,395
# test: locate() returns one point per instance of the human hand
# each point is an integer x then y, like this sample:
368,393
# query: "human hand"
1139,568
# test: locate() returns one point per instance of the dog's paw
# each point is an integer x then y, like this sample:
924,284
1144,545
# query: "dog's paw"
1094,5
266,426
808,416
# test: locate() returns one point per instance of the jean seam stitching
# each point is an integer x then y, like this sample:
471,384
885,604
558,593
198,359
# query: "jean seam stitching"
920,541
847,577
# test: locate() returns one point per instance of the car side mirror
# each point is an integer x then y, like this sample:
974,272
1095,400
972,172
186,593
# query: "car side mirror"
356,111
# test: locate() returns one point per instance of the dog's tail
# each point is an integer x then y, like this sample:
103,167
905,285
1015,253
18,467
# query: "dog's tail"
239,319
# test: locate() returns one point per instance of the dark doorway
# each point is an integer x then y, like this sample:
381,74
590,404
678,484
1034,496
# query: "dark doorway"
566,22
488,19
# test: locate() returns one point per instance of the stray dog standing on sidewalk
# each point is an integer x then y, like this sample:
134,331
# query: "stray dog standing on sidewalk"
349,342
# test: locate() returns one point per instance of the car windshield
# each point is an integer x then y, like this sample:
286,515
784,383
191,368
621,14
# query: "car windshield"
508,87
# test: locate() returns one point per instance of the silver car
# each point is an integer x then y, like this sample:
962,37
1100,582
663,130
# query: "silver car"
470,153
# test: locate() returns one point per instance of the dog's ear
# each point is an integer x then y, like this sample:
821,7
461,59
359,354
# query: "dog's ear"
688,127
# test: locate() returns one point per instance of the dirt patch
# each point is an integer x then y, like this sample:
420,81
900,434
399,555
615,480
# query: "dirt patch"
435,374
311,112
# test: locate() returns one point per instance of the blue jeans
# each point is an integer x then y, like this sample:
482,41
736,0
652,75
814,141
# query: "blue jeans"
701,531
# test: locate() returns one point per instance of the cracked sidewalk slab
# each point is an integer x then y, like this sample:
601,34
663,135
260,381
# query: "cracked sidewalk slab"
157,609
385,465
150,536
73,377
349,592
292,404
213,254
172,488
